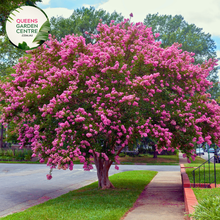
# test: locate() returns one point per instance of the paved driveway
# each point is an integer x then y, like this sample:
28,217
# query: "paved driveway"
24,185
205,156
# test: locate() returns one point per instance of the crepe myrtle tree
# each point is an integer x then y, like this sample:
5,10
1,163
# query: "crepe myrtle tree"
88,101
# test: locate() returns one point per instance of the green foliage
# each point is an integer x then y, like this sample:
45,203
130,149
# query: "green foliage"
23,46
9,153
208,209
176,29
19,155
12,133
7,74
1,152
122,155
9,56
43,33
132,153
82,20
20,162
27,154
23,154
165,152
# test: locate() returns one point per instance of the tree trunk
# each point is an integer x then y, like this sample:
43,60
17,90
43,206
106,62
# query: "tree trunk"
155,152
1,136
102,167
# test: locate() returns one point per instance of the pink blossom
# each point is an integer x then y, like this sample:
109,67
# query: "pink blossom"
49,177
89,135
173,122
116,167
79,119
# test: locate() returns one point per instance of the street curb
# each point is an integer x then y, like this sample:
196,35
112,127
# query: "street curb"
189,196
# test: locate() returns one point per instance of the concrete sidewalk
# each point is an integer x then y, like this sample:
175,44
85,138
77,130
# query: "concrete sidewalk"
162,198
181,159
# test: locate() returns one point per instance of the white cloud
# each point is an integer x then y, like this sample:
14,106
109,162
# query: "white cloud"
204,14
86,5
58,12
45,2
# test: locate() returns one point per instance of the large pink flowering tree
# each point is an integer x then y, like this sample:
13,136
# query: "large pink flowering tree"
71,100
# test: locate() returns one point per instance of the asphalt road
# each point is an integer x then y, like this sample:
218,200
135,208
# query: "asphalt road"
27,183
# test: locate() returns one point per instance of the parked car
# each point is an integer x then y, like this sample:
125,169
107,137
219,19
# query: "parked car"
217,158
199,151
212,150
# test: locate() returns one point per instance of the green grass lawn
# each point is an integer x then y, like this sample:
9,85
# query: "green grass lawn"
204,193
90,202
198,160
149,160
209,204
204,174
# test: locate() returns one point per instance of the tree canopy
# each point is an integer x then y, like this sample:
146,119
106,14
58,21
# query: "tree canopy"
175,29
88,101
82,20
9,56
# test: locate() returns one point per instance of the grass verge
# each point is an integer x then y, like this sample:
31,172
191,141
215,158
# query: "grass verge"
91,203
149,160
209,204
204,193
198,160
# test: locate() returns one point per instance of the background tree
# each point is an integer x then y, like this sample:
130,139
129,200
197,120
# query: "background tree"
82,20
175,29
9,56
88,101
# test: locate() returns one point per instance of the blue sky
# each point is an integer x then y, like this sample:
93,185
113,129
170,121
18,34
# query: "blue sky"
70,4
204,14
217,41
